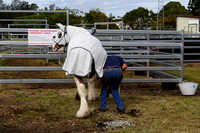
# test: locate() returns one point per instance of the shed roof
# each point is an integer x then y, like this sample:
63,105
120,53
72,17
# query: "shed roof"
187,16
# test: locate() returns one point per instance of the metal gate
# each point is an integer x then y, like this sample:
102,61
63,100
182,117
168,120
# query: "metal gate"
142,51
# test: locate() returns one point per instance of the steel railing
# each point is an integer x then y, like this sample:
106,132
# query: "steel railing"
136,47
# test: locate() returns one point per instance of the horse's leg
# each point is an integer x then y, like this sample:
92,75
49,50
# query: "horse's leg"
91,86
91,83
84,109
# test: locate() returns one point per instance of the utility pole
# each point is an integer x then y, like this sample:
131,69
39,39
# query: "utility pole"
160,15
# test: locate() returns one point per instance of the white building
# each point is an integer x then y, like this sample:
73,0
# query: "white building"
190,24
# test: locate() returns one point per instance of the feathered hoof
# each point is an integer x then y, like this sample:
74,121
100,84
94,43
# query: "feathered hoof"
91,98
80,114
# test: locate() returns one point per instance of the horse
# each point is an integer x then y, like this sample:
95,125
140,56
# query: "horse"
85,56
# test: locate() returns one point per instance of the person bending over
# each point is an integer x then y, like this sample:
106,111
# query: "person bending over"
112,76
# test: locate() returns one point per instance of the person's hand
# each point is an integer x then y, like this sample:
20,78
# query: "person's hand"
124,66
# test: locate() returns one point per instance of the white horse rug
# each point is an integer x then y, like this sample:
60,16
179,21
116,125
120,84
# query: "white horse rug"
83,49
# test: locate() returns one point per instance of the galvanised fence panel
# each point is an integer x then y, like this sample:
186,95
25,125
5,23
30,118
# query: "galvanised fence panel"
146,52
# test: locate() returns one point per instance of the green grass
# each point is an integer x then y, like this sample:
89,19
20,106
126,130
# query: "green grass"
3,62
190,74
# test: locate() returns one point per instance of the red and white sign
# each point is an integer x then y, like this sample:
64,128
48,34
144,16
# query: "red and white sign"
41,36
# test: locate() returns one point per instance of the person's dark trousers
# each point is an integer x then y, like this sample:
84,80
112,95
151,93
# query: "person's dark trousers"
111,78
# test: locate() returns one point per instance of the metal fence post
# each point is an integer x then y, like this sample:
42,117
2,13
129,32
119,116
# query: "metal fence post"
148,51
67,12
182,55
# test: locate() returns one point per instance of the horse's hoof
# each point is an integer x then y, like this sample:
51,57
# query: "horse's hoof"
91,98
80,114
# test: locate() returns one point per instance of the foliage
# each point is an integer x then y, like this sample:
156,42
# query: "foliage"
95,15
171,10
194,6
137,17
16,5
75,17
52,7
22,5
170,21
52,18
175,8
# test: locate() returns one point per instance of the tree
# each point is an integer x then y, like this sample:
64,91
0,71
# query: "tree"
2,5
52,7
75,16
152,16
136,17
23,5
34,6
45,8
95,15
171,10
53,18
15,5
194,6
175,8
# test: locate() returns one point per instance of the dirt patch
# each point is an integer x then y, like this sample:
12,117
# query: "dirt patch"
29,62
134,113
27,118
150,89
192,65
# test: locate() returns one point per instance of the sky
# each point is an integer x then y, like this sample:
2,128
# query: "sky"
116,7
